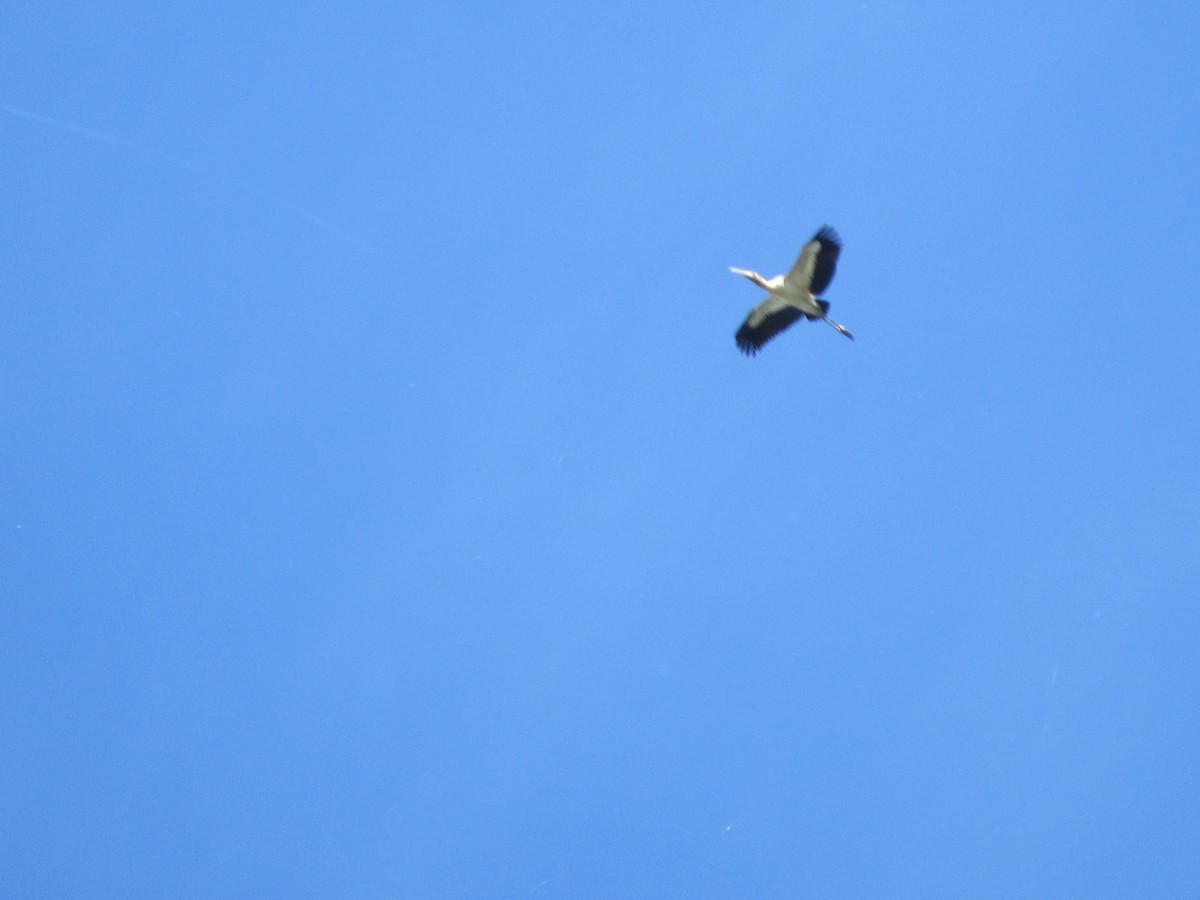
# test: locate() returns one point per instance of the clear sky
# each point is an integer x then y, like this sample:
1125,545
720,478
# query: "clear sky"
386,511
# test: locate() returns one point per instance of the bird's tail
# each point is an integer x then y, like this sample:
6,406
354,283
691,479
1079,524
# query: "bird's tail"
824,304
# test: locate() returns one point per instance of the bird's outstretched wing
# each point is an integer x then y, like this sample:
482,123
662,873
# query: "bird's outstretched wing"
817,262
765,321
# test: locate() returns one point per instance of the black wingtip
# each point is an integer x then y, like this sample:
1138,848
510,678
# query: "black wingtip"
746,343
828,234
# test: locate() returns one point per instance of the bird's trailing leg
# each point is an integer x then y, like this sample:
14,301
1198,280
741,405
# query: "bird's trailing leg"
842,328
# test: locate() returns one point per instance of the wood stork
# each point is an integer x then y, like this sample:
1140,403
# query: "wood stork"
794,295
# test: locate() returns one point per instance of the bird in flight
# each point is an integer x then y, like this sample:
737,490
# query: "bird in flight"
794,295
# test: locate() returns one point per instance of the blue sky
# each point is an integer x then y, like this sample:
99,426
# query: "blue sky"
387,512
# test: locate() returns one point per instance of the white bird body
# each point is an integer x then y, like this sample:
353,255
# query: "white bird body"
788,292
793,295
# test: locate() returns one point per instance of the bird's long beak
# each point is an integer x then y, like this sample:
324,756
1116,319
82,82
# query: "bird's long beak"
747,273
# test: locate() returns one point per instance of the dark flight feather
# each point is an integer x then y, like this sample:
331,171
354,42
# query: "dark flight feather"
753,335
827,257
